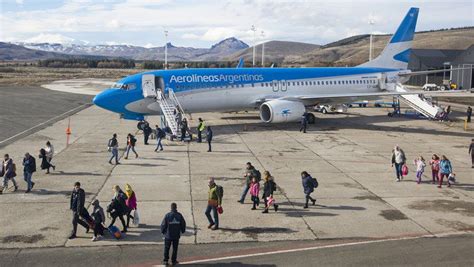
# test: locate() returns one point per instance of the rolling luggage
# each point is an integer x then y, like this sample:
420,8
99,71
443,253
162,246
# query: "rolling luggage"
115,232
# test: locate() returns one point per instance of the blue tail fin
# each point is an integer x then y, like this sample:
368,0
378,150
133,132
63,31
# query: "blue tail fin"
397,53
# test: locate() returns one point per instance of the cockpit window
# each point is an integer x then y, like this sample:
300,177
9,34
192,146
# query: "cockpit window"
122,86
117,85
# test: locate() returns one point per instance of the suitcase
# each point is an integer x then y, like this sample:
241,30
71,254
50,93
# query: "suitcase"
115,232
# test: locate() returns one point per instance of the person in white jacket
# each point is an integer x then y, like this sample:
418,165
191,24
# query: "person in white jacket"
50,153
420,168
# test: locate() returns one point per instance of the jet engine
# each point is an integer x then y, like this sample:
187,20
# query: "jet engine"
275,111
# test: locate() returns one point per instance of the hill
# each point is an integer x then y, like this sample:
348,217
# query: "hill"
355,50
16,52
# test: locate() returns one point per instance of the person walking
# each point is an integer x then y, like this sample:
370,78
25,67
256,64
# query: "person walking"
308,188
214,201
184,128
420,168
113,148
131,202
255,192
45,165
50,153
269,186
469,114
146,132
398,159
117,207
99,218
250,172
445,169
200,128
131,142
160,134
434,163
8,173
172,226
29,167
77,201
209,136
304,122
471,151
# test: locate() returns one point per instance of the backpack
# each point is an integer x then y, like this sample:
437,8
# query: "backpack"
220,191
273,186
258,175
315,183
161,133
14,167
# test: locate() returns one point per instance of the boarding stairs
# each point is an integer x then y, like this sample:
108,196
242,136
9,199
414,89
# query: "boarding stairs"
420,105
168,104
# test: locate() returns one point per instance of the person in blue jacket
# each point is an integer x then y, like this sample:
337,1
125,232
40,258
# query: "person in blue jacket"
171,227
308,187
445,169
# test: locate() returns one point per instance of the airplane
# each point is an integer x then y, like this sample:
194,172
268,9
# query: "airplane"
280,94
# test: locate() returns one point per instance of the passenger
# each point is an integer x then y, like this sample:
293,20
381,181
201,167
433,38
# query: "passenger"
213,203
50,153
172,226
178,117
304,122
471,151
29,167
184,128
250,172
113,148
131,142
117,207
434,163
146,132
308,188
469,114
8,173
420,168
255,192
131,202
99,218
78,198
209,136
399,159
45,165
269,186
160,134
200,128
445,169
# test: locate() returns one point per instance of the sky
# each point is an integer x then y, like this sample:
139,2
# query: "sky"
202,23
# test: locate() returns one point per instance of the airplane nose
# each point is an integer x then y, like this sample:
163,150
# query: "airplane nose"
105,99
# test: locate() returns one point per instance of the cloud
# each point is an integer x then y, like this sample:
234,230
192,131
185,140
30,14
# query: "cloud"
50,38
20,2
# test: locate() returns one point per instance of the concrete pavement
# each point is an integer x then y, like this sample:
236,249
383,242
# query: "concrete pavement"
349,154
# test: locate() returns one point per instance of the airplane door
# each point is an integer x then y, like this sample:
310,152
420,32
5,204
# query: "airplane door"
148,86
383,81
275,85
283,85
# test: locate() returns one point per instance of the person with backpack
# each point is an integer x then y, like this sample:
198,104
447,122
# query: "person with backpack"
184,129
118,207
160,134
99,217
50,153
269,186
29,167
77,202
304,122
445,169
398,160
214,202
113,148
146,132
309,184
172,226
8,173
45,165
250,172
255,192
131,142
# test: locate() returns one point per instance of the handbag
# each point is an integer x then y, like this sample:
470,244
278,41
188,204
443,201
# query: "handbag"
220,210
405,170
136,218
270,201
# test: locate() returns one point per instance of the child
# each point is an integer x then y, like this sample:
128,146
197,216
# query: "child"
99,218
254,192
434,163
420,168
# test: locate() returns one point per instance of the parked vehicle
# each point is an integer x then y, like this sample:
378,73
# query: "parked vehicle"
331,109
361,104
430,87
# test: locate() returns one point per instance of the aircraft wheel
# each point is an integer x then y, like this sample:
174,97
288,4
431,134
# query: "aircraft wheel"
311,118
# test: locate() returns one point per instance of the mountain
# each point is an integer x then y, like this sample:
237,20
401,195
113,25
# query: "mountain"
214,53
16,52
275,51
355,50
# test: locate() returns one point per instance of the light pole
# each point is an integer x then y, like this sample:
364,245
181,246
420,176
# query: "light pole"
371,22
263,49
253,54
166,49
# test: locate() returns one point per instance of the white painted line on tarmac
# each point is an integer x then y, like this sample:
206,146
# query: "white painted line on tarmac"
41,124
300,249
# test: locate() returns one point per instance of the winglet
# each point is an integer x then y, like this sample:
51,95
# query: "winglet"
241,63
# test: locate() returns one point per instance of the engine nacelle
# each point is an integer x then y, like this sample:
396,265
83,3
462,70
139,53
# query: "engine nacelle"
275,111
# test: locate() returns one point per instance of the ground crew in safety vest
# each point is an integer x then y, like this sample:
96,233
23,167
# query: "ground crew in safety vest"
200,128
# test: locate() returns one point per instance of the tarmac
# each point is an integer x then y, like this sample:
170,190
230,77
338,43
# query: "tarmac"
357,197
